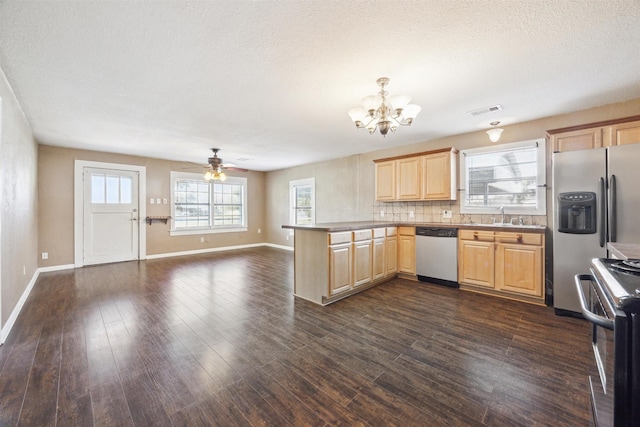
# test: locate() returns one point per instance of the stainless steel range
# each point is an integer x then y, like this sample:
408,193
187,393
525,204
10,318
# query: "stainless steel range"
610,300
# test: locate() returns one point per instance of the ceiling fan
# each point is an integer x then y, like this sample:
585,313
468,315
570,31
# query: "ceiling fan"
215,170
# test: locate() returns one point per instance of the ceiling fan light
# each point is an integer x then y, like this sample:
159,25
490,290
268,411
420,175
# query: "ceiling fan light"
208,175
222,176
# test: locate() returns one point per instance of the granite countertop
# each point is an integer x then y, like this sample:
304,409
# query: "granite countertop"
359,225
624,250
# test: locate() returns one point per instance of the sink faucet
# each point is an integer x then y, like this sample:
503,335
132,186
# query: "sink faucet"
502,213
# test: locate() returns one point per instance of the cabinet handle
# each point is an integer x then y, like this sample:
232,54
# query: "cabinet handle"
520,238
475,236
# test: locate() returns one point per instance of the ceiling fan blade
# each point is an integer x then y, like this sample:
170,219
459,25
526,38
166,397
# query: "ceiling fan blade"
233,168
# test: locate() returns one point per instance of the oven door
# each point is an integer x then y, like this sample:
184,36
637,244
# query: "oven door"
597,310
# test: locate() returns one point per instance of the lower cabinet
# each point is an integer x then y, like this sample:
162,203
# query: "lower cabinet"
362,261
476,263
509,264
407,250
379,254
391,250
339,268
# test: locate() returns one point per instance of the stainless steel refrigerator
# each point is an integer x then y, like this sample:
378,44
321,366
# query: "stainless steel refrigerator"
596,200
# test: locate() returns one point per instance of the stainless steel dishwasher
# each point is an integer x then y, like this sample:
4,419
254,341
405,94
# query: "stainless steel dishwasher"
437,255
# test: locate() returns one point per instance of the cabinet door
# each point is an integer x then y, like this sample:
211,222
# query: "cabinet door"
362,257
379,255
476,263
339,268
386,180
437,183
519,269
579,140
391,247
408,173
407,254
625,133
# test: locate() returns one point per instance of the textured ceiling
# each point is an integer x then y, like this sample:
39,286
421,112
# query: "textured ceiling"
272,81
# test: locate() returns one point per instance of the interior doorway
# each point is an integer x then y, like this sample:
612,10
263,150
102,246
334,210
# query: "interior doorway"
109,213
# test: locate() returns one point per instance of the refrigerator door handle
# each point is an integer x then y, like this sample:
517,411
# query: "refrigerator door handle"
603,214
614,210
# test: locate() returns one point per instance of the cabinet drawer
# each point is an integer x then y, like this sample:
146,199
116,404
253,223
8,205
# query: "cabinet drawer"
523,238
378,233
407,231
361,235
480,236
392,231
342,237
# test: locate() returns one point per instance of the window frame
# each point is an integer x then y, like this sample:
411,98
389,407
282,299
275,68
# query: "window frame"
210,229
293,185
541,185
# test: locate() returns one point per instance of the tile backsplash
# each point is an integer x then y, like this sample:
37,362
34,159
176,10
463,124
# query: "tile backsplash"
432,212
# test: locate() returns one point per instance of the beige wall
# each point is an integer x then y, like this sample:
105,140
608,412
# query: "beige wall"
345,187
18,197
56,193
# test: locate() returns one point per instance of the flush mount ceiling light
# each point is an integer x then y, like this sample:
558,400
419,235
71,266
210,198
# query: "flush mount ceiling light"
380,112
495,132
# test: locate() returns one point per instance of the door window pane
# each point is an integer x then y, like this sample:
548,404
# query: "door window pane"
97,188
126,195
113,189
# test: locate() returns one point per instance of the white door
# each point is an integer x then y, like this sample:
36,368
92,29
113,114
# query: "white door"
111,215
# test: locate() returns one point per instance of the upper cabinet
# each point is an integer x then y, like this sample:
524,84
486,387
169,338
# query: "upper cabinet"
386,180
439,173
429,175
596,135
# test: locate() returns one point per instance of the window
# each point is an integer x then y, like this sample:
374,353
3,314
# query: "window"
110,189
302,201
201,206
509,175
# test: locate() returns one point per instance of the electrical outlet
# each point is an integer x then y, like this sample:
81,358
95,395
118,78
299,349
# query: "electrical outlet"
202,240
446,213
410,214
24,270
381,214
45,255
259,231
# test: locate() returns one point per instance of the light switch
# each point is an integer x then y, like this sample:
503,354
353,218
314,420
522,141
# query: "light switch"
164,201
152,200
158,201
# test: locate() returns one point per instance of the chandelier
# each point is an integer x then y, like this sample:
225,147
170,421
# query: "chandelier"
380,112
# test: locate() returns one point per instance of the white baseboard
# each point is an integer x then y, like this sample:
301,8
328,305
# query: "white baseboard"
204,251
273,245
56,268
6,328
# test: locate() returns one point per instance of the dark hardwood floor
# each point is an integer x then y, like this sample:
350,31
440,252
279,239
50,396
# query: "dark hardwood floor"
219,339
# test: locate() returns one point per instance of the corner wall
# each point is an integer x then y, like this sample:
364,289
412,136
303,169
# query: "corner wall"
18,202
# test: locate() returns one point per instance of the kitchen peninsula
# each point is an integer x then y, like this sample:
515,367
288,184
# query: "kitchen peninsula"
335,260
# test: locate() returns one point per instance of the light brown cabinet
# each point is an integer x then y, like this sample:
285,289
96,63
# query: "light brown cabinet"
407,250
439,174
362,257
391,250
603,134
476,252
379,253
385,180
329,265
422,176
408,178
508,264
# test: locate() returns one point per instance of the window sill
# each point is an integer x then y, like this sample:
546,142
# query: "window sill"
193,231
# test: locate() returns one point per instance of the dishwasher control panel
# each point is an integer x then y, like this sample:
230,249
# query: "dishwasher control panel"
436,232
